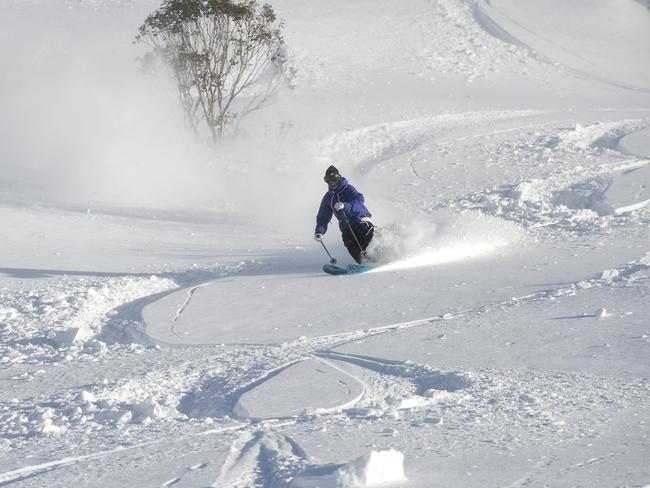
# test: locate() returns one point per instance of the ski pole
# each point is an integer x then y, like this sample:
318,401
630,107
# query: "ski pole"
347,221
332,260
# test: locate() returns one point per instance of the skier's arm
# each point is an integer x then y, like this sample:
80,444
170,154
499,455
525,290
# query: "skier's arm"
357,202
323,218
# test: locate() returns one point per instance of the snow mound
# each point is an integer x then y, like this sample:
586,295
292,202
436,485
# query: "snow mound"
426,244
580,199
378,468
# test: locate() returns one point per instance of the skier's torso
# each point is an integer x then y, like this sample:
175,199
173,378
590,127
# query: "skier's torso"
354,209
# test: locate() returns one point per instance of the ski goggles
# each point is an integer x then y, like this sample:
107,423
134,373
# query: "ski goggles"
332,179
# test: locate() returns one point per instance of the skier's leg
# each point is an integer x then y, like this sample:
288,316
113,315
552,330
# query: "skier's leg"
365,232
351,245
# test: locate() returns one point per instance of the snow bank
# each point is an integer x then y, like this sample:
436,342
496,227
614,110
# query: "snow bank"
421,243
70,311
377,468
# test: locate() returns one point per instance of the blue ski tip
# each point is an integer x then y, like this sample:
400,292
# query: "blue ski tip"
349,269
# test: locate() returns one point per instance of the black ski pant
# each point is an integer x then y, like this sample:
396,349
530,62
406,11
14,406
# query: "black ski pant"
364,231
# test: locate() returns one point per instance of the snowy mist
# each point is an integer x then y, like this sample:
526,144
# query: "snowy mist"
84,126
448,239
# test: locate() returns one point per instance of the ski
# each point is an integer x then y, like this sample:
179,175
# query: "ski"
349,269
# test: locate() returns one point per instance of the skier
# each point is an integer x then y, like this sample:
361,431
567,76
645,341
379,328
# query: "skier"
344,201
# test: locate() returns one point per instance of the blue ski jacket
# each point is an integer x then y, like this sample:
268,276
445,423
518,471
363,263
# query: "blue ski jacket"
355,208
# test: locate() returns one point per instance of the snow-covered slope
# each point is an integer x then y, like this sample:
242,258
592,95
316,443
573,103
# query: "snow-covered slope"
163,317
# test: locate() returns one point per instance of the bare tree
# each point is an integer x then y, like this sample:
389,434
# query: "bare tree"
218,51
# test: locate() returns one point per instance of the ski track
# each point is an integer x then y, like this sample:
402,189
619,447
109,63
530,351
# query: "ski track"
261,459
368,147
324,359
188,300
486,15
28,471
245,462
183,306
25,472
323,344
261,456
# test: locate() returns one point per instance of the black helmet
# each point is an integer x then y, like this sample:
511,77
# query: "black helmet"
332,177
